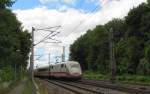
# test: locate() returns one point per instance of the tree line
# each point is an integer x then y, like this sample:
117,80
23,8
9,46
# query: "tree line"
131,40
14,41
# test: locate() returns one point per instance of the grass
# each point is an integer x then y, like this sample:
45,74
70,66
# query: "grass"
28,88
42,88
123,78
5,90
8,80
94,75
134,79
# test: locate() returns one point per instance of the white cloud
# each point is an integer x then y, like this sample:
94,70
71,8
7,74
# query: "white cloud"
104,2
71,19
48,1
69,1
51,1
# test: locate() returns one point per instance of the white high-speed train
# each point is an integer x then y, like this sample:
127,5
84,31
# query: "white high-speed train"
68,69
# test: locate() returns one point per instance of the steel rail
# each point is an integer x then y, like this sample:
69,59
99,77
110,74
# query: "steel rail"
61,84
115,87
83,88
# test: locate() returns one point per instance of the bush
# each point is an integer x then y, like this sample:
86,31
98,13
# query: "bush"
134,78
6,74
94,75
144,67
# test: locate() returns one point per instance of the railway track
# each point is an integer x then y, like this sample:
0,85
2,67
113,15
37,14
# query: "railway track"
132,89
81,88
74,88
66,87
98,87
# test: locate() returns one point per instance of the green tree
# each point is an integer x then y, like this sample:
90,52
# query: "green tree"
143,67
6,3
137,34
15,42
78,53
131,37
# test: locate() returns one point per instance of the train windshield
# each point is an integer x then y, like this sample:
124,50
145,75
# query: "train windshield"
75,66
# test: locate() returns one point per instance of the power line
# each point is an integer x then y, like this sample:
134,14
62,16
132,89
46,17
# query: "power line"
80,6
43,39
50,37
73,30
47,37
47,29
58,41
54,34
85,20
38,57
52,42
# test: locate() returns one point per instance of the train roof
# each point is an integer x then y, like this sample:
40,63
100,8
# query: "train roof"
66,62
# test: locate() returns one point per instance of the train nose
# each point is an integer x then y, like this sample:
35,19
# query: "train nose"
76,74
75,71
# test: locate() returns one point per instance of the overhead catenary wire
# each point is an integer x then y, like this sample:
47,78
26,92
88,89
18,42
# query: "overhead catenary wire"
74,29
38,57
52,42
43,39
67,17
47,29
48,36
54,35
57,41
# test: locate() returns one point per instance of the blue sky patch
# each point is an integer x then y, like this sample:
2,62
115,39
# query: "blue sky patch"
84,5
25,4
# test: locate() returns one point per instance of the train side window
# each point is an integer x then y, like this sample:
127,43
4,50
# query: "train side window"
44,69
62,65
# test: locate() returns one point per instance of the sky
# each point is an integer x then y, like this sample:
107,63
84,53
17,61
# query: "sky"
74,16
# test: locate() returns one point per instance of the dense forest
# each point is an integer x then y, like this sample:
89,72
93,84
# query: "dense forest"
14,43
131,40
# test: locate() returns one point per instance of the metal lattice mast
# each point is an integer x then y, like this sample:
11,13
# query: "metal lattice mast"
112,55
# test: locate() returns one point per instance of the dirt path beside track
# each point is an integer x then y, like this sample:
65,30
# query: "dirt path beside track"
19,88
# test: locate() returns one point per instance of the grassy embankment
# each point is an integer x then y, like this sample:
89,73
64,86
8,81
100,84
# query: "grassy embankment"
7,86
9,79
28,88
122,78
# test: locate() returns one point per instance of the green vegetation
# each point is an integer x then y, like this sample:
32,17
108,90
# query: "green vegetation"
6,3
14,44
94,75
7,86
132,45
123,78
42,88
28,87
